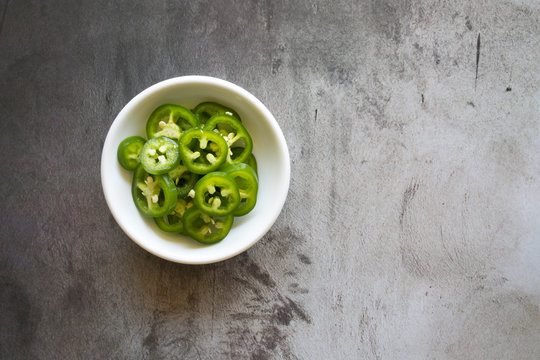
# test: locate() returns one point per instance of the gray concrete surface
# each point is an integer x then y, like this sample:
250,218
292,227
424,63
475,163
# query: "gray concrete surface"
412,226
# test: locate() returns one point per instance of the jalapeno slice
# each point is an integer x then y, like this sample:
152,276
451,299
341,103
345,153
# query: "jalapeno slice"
206,229
128,152
251,160
170,120
184,179
206,110
235,134
246,181
202,151
173,221
159,155
154,195
216,194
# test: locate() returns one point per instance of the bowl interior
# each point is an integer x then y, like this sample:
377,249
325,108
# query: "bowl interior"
269,148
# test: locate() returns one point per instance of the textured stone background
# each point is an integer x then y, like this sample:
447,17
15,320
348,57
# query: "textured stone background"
412,226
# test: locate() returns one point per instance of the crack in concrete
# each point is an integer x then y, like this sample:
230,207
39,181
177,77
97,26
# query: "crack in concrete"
477,60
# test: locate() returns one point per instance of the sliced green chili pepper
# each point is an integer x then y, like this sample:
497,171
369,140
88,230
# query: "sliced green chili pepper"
170,120
159,155
216,194
206,110
251,160
246,180
173,221
234,133
202,151
182,146
128,152
206,229
184,179
154,195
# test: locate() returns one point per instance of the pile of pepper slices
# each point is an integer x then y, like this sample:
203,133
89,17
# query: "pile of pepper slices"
195,172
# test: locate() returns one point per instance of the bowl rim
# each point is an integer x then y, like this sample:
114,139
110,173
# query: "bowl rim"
269,118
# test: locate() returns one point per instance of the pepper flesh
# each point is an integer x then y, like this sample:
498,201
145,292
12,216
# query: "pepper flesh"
216,194
170,120
206,229
247,183
234,133
128,152
184,179
153,195
202,151
173,221
159,155
206,110
251,160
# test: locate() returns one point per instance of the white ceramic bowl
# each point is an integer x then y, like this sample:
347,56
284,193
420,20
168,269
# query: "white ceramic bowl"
269,147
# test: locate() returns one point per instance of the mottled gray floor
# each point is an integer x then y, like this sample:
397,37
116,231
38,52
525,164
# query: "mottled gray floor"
412,226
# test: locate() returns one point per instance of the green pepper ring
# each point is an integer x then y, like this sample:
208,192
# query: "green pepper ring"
174,114
159,155
252,162
246,180
172,222
184,179
192,158
128,152
206,110
239,133
164,223
212,201
211,232
165,192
